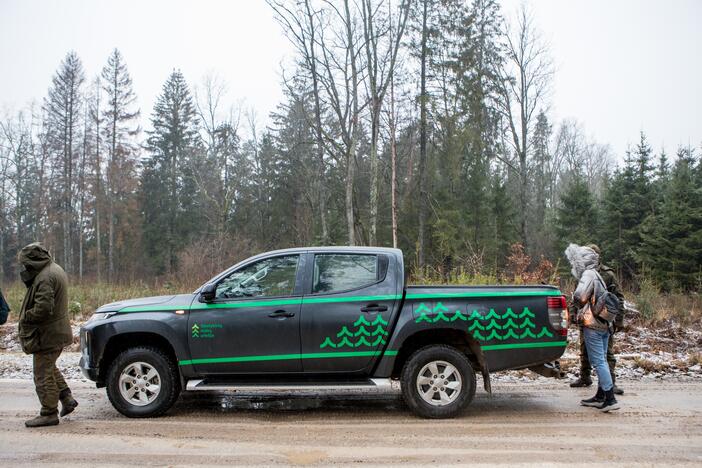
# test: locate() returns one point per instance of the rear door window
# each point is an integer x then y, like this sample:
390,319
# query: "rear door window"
344,272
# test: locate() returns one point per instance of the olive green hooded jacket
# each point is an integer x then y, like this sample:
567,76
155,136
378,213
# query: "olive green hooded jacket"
43,320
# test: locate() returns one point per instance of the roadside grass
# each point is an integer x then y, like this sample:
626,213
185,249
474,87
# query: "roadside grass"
649,366
655,309
85,297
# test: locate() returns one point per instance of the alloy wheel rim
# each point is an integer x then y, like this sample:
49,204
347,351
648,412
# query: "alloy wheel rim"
139,383
439,383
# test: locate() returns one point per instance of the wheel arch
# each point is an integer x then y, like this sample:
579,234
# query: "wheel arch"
132,339
458,339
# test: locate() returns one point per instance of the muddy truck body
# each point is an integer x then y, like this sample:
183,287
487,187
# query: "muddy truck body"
320,318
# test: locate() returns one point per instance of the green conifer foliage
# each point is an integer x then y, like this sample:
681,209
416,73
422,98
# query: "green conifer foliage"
577,218
671,251
170,204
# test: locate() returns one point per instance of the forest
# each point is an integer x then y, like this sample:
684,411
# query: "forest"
419,124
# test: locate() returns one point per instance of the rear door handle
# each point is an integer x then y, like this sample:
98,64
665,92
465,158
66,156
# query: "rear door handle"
374,308
281,314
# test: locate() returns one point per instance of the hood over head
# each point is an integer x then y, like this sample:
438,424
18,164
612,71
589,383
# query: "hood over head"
33,258
581,258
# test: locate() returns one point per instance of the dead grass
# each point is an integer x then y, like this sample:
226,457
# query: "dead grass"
650,366
84,298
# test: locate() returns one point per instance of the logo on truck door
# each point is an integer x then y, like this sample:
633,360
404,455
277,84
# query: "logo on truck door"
491,326
204,330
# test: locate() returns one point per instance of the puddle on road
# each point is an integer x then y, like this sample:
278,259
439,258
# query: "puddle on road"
231,401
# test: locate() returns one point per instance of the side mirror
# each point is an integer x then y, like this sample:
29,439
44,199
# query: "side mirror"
208,292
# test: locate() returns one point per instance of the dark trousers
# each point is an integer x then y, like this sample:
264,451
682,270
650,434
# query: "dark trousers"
48,381
585,367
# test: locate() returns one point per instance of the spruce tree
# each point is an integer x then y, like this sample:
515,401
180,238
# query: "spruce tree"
628,201
576,217
540,180
501,222
169,192
63,110
120,128
672,238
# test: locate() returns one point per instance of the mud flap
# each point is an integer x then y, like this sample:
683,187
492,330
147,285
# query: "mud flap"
478,353
549,369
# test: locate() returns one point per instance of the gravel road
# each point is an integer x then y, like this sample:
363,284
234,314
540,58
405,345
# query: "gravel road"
532,422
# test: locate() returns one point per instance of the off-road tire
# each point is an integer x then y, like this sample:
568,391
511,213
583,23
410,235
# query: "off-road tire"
168,374
424,356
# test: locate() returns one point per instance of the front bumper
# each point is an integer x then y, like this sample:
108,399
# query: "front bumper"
90,373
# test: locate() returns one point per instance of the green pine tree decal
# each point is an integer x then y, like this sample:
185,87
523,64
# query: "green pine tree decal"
475,315
362,331
493,324
458,316
509,314
492,315
510,334
328,342
361,334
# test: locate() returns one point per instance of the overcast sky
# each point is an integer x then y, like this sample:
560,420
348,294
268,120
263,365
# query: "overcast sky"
621,66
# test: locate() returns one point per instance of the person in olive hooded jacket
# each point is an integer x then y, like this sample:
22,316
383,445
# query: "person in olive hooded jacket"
44,330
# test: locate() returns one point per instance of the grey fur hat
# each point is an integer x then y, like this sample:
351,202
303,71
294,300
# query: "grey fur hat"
581,258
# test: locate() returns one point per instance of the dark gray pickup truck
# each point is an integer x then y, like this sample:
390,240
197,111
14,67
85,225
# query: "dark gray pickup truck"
330,317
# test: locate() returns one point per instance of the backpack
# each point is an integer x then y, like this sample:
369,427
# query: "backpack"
608,306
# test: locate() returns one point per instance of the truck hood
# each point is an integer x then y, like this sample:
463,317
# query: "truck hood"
168,302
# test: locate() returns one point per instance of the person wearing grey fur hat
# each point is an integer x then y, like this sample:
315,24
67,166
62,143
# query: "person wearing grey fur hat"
588,298
612,284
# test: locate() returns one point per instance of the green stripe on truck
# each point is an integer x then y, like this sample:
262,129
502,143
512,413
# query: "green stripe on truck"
345,354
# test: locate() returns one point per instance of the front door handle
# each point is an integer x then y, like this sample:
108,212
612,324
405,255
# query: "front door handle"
374,308
281,314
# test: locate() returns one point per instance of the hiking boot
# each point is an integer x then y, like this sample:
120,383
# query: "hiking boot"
583,381
43,420
610,403
617,390
68,403
596,401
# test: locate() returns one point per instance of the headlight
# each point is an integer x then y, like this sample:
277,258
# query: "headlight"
100,316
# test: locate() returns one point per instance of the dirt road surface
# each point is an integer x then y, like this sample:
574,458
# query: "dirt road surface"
525,423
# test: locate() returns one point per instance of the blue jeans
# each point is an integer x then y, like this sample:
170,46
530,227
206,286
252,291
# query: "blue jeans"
596,344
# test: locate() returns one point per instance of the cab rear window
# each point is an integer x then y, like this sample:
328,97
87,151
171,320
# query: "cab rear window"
343,272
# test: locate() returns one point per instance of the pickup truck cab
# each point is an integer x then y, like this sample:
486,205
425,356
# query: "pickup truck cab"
330,317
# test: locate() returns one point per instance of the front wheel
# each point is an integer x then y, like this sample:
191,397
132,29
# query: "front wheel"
142,382
438,382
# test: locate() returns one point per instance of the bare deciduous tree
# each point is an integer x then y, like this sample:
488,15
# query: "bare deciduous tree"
525,82
382,40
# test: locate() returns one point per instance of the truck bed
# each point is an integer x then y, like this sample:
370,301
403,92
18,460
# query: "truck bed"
501,319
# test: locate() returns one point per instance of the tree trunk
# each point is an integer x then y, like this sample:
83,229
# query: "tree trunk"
98,198
111,240
422,140
321,186
350,166
393,163
81,190
351,152
374,173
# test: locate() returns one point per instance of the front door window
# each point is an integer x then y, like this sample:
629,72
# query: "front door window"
270,277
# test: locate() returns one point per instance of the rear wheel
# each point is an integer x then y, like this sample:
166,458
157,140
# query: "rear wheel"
142,382
438,382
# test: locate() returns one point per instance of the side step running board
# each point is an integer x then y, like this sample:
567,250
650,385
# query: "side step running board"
201,384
